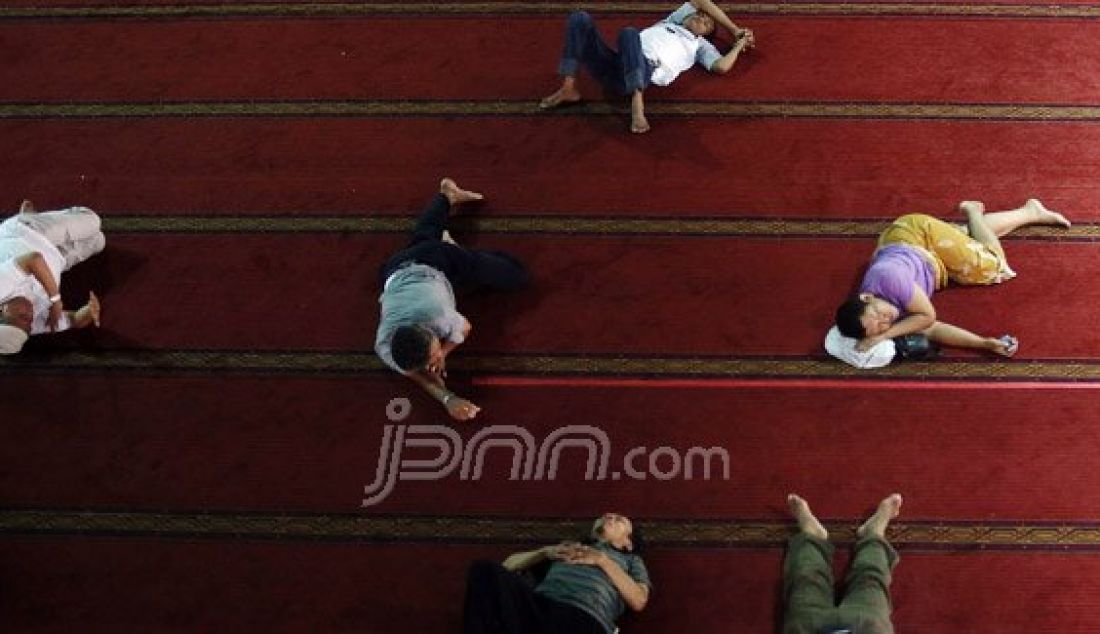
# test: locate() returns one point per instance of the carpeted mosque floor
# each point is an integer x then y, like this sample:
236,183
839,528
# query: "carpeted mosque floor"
220,455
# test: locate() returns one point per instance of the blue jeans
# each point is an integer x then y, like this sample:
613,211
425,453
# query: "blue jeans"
626,70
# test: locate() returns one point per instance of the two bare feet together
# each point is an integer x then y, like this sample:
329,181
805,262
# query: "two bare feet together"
569,94
875,526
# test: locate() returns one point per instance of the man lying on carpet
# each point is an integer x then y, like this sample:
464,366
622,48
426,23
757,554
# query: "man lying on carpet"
420,325
918,255
586,588
656,55
811,607
35,249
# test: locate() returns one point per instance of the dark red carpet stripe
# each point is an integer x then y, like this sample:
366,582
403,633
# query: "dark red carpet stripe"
815,168
973,61
70,585
297,444
591,295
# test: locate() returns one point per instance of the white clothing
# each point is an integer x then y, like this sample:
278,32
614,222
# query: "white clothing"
844,348
64,238
672,49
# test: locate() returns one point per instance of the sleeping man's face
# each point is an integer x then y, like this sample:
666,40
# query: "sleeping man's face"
18,312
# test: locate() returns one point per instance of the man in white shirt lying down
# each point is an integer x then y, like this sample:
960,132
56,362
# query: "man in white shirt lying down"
656,55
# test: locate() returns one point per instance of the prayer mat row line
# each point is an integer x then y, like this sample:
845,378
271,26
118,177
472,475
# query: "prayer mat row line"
435,9
556,365
447,108
560,225
683,533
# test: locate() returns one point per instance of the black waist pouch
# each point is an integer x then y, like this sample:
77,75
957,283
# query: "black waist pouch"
916,347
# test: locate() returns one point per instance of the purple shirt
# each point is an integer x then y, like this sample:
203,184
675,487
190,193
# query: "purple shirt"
893,271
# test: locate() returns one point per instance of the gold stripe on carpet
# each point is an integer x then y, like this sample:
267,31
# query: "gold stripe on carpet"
419,108
534,365
564,226
505,530
351,10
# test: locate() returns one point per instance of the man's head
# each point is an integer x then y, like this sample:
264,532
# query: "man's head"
700,24
865,315
18,312
618,531
16,315
415,348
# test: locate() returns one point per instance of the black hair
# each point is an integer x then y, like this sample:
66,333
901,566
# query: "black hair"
410,346
847,317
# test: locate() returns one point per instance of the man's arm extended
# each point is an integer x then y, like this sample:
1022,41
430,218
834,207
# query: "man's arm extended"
458,407
717,14
34,264
726,62
948,335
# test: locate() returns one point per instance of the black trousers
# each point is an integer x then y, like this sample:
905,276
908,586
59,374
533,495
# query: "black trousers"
466,269
500,602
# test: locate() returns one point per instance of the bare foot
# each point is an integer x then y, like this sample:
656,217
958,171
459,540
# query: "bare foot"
876,525
27,207
562,96
807,523
1044,216
972,207
455,194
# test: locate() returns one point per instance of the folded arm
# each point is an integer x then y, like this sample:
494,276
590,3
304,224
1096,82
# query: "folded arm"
717,14
34,264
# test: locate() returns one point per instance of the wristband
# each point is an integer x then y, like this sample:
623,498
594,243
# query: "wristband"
55,298
447,398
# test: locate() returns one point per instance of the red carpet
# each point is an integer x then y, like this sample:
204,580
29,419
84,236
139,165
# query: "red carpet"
811,168
313,444
185,497
973,61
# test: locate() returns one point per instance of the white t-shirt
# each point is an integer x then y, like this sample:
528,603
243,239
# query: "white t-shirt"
674,49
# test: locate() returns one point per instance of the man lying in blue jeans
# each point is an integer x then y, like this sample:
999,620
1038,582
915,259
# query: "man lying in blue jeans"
656,55
810,607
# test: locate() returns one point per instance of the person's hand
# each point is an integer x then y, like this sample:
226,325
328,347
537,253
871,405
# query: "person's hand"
93,308
439,370
867,343
1006,346
558,552
748,37
461,409
57,309
585,556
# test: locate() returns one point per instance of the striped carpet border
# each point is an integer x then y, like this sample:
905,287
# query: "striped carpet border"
434,9
529,108
551,224
306,362
673,533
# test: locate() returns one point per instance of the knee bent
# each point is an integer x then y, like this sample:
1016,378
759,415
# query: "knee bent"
579,19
